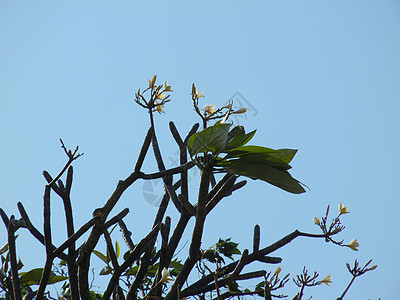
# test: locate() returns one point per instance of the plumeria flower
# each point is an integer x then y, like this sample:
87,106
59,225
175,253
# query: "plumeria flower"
197,94
167,88
160,96
316,221
210,109
326,280
166,276
343,209
353,244
152,81
159,107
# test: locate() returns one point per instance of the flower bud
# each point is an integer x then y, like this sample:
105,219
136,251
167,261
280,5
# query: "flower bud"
240,111
277,271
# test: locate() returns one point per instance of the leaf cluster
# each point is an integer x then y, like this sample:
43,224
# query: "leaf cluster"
225,151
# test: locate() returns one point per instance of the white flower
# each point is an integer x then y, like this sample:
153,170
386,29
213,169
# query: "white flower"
166,276
326,280
353,244
199,94
152,82
210,109
342,209
167,87
158,107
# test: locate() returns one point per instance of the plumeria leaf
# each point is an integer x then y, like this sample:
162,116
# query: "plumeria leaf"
175,264
5,246
106,270
101,256
131,271
274,176
237,137
212,139
255,162
95,296
19,264
286,155
117,249
259,159
34,276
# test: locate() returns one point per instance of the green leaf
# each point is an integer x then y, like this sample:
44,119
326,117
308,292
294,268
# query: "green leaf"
272,175
33,277
95,296
237,137
106,270
5,246
101,256
131,271
112,229
227,248
176,264
286,155
4,263
19,264
212,139
117,249
258,159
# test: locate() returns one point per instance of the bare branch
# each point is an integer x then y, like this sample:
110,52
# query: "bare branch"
32,229
126,235
13,257
71,157
256,238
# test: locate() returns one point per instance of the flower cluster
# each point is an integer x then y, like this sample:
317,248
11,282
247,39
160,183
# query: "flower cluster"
335,227
210,112
158,95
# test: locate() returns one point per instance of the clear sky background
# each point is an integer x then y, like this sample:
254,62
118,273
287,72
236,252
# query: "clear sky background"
319,76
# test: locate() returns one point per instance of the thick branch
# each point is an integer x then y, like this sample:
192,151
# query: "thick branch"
110,248
143,151
46,220
194,249
256,238
13,258
260,255
167,172
32,229
222,192
126,235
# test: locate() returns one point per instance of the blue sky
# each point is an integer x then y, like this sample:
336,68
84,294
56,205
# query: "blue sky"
322,76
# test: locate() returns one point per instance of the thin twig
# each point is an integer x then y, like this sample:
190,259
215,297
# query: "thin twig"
71,157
